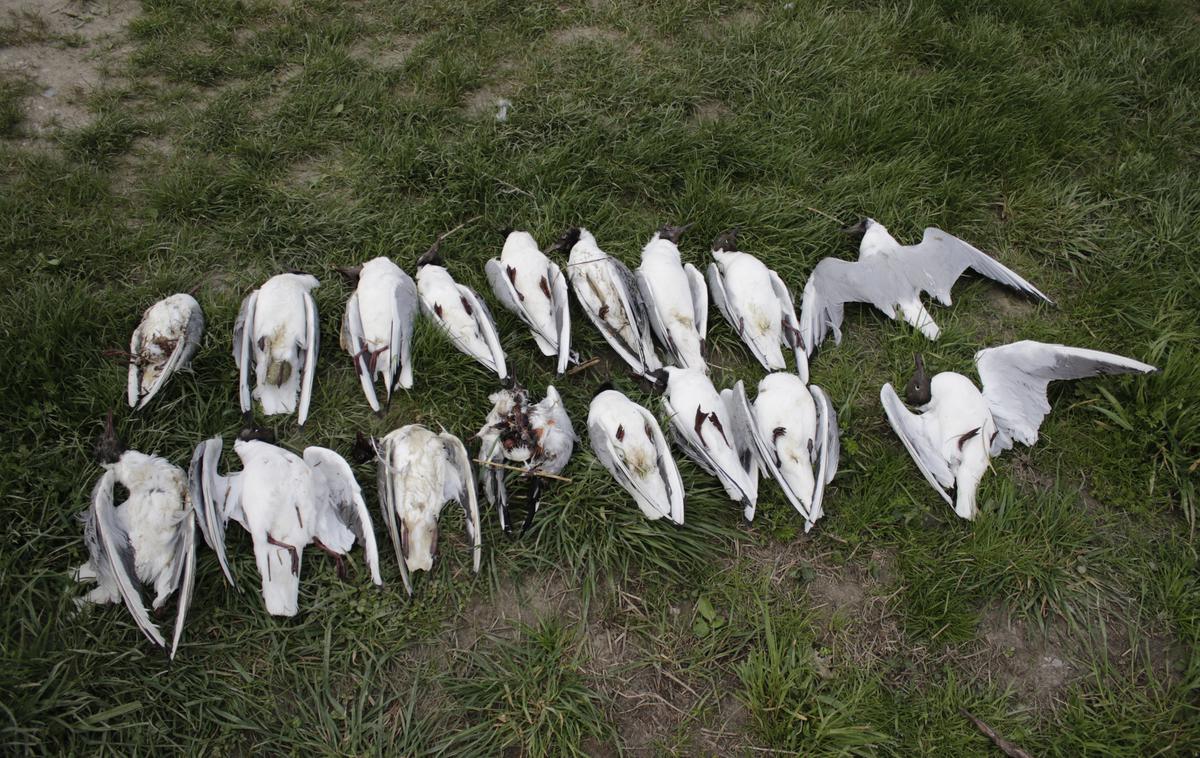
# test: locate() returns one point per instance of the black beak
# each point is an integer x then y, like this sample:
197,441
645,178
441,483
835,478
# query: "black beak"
918,391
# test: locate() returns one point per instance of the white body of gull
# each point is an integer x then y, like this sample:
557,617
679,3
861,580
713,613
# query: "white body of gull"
795,435
676,299
419,472
285,502
164,342
277,336
608,293
628,441
377,329
531,285
708,432
757,304
892,276
148,539
960,428
460,313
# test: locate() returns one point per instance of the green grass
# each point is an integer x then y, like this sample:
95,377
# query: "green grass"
246,138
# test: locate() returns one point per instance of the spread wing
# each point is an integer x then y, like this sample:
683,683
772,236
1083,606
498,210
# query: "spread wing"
939,259
699,298
243,353
910,428
461,487
312,339
355,343
792,336
832,284
208,492
1015,378
113,556
827,451
345,496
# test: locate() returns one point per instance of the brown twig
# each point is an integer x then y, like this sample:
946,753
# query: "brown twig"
582,366
527,472
444,235
1008,748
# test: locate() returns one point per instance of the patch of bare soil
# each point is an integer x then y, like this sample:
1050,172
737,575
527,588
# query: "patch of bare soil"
710,112
67,60
1037,665
385,52
515,602
575,34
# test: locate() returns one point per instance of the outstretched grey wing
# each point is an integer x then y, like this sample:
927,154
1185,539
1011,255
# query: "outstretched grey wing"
1015,378
939,259
832,284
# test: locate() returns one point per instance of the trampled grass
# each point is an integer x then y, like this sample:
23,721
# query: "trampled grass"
232,140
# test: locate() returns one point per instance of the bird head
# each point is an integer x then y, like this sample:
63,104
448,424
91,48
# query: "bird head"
252,431
351,273
604,386
726,241
418,542
673,233
917,391
363,449
565,242
857,231
431,256
108,447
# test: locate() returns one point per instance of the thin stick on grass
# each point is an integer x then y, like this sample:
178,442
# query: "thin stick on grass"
1008,748
582,366
527,472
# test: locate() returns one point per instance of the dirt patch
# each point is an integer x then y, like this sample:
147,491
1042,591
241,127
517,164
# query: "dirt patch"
515,601
576,34
66,60
1035,664
1007,304
493,101
710,112
389,52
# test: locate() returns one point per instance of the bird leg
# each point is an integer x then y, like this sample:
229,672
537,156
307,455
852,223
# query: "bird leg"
291,549
339,560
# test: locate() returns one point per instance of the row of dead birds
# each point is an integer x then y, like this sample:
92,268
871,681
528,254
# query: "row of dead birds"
789,432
